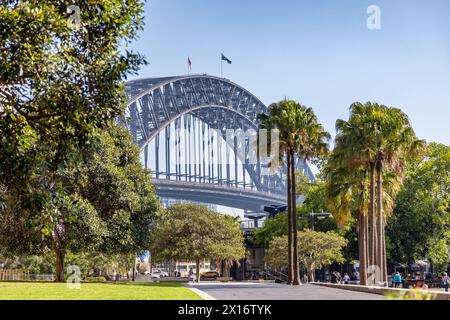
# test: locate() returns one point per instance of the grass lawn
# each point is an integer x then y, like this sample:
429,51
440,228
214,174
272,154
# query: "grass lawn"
95,291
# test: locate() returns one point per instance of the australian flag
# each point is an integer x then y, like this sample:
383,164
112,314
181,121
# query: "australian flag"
226,59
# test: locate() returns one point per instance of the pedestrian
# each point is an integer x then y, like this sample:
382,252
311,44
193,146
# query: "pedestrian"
338,277
346,278
190,273
397,279
305,278
446,281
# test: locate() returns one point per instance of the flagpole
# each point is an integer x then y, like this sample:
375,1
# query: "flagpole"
221,67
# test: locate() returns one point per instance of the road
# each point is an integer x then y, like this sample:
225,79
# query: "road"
273,291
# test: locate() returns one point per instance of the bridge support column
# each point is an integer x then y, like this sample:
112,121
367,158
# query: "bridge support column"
146,157
157,156
203,152
168,152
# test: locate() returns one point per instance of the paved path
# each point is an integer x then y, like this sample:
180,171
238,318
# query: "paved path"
272,291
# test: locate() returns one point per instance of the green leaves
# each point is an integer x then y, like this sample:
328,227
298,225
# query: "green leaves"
300,130
58,84
190,232
316,249
103,202
421,220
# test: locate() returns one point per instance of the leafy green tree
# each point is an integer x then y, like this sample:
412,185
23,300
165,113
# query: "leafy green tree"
276,253
193,232
61,78
419,227
105,204
316,249
320,248
94,264
272,228
278,227
300,134
35,264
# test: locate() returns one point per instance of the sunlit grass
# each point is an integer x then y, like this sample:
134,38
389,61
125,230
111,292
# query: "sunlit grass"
95,291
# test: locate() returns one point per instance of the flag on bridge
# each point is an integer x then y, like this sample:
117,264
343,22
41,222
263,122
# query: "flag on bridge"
189,63
226,59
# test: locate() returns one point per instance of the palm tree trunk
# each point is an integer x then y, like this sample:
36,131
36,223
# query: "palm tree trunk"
385,271
296,277
380,220
362,246
372,219
366,226
289,214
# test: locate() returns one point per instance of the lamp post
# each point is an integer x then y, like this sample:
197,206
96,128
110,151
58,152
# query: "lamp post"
273,210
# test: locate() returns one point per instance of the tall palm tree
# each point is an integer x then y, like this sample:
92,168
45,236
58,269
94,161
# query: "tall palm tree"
396,145
377,140
300,136
347,191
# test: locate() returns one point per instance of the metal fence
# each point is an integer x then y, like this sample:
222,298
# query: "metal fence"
23,275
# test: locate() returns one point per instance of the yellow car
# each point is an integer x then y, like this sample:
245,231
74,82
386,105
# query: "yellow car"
210,275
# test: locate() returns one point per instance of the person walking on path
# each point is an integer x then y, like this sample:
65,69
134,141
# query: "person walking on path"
397,280
338,277
346,278
446,281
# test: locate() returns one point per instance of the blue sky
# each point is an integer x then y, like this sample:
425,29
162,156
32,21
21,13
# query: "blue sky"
318,52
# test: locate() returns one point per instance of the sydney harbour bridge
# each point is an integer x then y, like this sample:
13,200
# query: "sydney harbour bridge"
181,125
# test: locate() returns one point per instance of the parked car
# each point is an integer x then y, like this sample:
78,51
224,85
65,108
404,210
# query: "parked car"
159,274
156,275
210,275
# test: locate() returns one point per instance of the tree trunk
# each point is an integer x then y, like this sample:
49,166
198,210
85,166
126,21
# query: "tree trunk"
197,269
385,271
367,234
59,265
362,246
380,219
296,277
372,218
312,276
289,215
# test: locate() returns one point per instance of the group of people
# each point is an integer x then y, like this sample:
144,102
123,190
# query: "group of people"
397,281
339,279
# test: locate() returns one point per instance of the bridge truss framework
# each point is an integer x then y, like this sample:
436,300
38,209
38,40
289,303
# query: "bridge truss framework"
170,118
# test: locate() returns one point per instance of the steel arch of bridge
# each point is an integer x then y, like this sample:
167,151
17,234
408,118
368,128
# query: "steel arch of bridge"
158,105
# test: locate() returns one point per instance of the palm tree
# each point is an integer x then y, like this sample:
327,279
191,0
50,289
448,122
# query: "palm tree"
396,145
347,191
300,136
377,142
